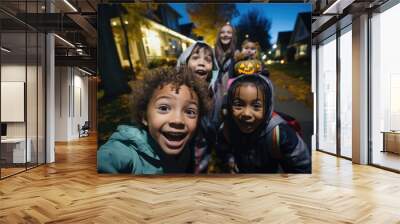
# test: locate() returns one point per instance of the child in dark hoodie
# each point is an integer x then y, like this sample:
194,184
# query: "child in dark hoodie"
168,106
200,59
253,139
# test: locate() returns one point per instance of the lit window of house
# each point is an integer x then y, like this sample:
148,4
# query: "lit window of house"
278,52
303,49
120,42
152,43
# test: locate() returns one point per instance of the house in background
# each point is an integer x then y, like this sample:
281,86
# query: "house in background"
282,45
299,45
168,16
162,40
187,30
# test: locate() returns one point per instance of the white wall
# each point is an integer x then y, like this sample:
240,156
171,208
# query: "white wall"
33,126
327,96
62,81
81,97
71,93
12,101
15,73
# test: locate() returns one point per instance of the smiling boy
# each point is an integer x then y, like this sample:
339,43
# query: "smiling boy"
167,108
172,116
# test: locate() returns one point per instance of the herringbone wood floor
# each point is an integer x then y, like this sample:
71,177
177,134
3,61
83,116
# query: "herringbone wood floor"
71,191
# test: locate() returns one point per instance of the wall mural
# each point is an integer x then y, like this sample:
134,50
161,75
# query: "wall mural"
204,88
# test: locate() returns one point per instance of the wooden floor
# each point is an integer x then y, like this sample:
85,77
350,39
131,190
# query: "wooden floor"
71,191
387,159
10,171
5,172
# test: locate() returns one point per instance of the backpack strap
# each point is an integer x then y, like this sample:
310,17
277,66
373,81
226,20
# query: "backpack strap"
275,120
275,149
273,135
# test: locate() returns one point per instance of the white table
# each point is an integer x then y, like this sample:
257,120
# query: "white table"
18,149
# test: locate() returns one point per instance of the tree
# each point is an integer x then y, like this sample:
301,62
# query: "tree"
208,18
256,26
114,81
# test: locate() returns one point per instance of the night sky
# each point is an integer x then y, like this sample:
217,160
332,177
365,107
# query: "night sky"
282,15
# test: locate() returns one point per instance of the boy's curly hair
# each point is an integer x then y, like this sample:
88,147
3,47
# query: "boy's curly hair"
142,90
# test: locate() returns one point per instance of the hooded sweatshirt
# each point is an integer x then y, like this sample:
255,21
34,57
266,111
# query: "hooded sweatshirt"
184,57
206,136
132,150
253,153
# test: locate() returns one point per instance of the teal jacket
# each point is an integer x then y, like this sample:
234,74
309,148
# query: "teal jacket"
132,150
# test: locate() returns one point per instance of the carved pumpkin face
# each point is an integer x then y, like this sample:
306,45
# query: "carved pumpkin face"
248,67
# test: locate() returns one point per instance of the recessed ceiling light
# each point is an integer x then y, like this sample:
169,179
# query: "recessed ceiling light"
70,5
84,71
5,50
65,41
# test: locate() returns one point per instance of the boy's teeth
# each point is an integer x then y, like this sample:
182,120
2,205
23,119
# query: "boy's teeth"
201,72
174,136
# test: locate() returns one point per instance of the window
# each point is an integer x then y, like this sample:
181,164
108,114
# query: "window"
327,95
346,93
303,50
385,84
22,65
152,43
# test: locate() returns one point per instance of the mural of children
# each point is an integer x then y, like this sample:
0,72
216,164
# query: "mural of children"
253,139
168,106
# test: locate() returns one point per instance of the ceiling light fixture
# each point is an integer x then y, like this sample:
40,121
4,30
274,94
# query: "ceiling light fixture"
337,7
70,5
326,11
84,71
5,50
64,40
